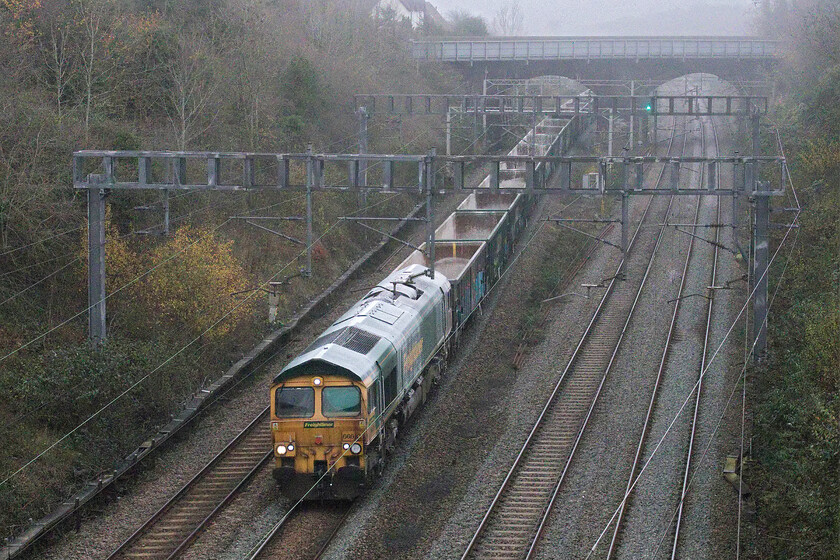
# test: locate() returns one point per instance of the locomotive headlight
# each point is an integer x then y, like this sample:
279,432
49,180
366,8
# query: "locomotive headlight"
346,446
355,449
291,447
281,449
317,381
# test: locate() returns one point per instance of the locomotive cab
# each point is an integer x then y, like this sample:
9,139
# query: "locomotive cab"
318,423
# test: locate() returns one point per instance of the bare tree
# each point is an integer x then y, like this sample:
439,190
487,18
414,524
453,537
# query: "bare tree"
57,52
192,87
255,44
99,22
509,19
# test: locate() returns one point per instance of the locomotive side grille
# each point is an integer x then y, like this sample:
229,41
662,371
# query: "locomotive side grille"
357,340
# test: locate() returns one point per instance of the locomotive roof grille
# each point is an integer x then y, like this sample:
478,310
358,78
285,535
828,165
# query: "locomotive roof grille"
352,338
357,340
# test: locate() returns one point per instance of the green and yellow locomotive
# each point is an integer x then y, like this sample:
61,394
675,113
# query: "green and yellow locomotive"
336,408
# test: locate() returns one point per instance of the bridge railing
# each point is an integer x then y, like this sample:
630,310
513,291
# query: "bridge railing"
594,48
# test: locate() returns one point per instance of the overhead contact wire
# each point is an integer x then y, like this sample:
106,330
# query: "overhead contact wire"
173,356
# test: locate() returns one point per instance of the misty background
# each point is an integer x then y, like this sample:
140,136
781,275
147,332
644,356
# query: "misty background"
620,17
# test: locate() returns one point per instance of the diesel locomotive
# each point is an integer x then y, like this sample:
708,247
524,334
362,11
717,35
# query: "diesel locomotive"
336,409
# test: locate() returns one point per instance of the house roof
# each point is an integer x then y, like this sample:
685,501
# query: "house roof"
414,5
433,14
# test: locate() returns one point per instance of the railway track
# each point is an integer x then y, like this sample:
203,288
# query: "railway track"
564,282
174,527
699,389
304,533
615,540
513,523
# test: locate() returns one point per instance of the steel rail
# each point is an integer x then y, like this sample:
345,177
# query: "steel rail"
293,514
145,543
332,535
572,361
607,371
709,309
564,283
655,392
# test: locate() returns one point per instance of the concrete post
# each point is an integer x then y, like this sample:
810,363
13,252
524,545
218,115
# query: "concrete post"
610,135
760,261
449,131
429,186
632,115
96,266
363,149
273,303
310,181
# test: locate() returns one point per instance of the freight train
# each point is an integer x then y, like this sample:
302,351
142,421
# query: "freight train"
336,409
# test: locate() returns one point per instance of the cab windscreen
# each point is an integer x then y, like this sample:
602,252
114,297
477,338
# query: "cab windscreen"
341,401
294,402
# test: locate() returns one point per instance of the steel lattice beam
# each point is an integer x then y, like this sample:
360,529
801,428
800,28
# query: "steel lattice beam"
661,105
260,171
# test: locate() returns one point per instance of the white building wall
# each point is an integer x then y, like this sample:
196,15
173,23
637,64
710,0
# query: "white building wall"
402,13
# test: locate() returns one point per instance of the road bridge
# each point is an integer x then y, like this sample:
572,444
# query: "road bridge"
603,58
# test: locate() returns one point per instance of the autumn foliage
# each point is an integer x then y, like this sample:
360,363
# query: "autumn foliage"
226,75
193,288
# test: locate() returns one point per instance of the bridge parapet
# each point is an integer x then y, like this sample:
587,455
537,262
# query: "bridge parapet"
528,49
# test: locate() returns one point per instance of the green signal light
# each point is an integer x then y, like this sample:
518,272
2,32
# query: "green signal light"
648,107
